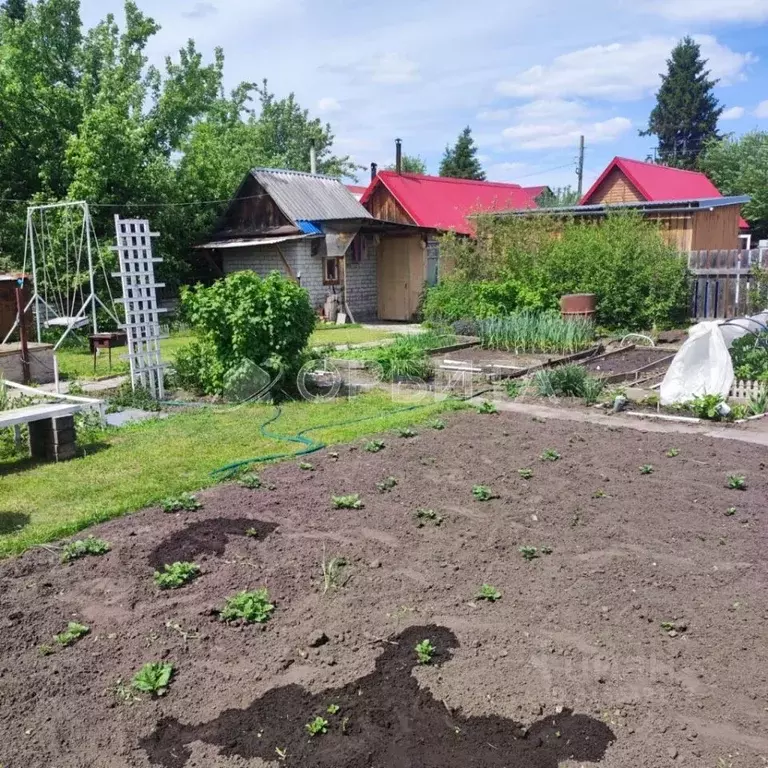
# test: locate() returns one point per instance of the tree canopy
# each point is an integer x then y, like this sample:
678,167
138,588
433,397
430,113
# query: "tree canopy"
84,116
739,166
411,164
686,112
558,197
460,161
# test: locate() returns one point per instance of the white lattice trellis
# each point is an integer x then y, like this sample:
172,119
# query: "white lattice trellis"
142,323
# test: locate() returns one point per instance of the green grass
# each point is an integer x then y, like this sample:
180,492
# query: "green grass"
141,464
77,363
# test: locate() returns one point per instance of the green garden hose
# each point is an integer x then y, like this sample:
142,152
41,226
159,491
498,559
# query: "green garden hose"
310,445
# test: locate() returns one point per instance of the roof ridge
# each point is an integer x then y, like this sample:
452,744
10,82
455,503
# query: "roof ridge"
306,174
656,165
449,179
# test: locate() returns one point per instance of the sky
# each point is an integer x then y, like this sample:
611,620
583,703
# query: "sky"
528,76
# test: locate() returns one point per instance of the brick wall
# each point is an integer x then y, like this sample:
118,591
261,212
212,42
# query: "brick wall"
362,286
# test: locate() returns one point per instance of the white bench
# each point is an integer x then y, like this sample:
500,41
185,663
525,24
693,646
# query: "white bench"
51,428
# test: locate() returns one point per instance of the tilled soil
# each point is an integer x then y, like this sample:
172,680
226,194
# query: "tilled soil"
570,667
631,360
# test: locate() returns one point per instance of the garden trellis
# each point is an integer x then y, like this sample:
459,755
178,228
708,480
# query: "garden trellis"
142,324
61,248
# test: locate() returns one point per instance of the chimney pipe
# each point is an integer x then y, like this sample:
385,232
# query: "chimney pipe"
374,170
312,157
399,155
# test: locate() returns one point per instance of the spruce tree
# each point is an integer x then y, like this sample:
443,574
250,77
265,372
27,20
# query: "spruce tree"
460,161
16,10
686,112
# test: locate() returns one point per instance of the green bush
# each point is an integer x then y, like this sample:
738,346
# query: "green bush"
750,357
529,262
243,317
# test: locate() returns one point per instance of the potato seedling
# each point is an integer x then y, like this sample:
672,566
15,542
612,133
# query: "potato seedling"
176,575
71,634
425,651
250,480
730,512
528,553
82,547
352,501
487,407
547,550
306,466
252,533
424,516
599,494
250,607
374,446
482,492
737,482
672,452
317,725
436,424
489,593
185,502
514,388
550,454
153,678
387,484
333,709
45,649
407,432
646,469
526,474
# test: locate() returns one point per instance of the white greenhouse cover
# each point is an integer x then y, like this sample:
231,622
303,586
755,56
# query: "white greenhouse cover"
703,365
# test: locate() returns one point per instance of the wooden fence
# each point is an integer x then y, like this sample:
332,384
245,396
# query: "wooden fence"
723,282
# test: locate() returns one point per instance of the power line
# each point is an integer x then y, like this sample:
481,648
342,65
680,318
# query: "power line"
548,170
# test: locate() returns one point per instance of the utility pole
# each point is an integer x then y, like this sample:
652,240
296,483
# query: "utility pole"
580,167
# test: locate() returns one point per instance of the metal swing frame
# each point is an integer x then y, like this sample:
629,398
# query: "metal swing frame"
38,301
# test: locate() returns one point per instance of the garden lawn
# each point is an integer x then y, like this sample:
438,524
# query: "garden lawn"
77,363
141,464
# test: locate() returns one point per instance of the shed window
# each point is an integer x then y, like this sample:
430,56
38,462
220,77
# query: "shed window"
331,270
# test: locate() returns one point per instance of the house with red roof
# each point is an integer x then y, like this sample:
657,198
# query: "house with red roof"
712,222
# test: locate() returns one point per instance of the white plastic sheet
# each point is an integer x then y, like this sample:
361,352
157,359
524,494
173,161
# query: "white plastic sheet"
703,365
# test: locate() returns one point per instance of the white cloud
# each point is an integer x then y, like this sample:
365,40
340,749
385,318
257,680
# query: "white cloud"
394,68
762,109
620,71
556,134
710,10
494,115
328,104
732,113
551,109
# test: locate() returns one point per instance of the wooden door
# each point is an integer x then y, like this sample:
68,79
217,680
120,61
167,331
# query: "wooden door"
394,278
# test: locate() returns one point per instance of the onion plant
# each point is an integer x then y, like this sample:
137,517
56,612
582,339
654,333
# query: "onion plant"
523,332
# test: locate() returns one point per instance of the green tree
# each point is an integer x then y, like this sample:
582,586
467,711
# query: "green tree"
686,112
739,166
558,197
460,161
15,10
411,164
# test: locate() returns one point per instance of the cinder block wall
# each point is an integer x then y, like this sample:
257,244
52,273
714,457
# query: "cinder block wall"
362,285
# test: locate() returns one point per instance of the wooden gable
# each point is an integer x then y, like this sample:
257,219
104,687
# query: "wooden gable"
252,212
615,188
383,205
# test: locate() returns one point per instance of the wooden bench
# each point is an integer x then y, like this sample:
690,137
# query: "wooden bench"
51,429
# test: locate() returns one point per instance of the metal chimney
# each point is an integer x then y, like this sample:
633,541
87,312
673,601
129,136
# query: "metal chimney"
399,155
312,157
374,170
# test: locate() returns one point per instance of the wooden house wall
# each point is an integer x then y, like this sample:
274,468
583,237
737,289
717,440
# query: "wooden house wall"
383,205
676,229
615,188
717,229
253,212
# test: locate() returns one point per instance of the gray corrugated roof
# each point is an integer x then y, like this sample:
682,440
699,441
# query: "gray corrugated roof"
309,196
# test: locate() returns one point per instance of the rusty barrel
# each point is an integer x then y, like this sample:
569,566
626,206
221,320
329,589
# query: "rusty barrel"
578,305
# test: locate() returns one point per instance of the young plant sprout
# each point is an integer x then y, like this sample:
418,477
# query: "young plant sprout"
185,502
489,593
250,607
351,501
250,480
550,454
83,547
528,553
153,678
487,407
317,726
737,482
374,446
482,492
646,469
425,651
526,474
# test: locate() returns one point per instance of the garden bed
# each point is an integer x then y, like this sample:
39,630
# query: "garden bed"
631,364
579,628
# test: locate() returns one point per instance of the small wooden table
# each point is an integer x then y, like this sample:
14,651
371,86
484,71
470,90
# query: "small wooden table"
106,341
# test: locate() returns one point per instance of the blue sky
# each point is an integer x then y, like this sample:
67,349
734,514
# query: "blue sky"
528,76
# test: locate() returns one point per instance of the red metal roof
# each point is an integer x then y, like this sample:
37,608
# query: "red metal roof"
660,183
444,203
356,190
534,192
